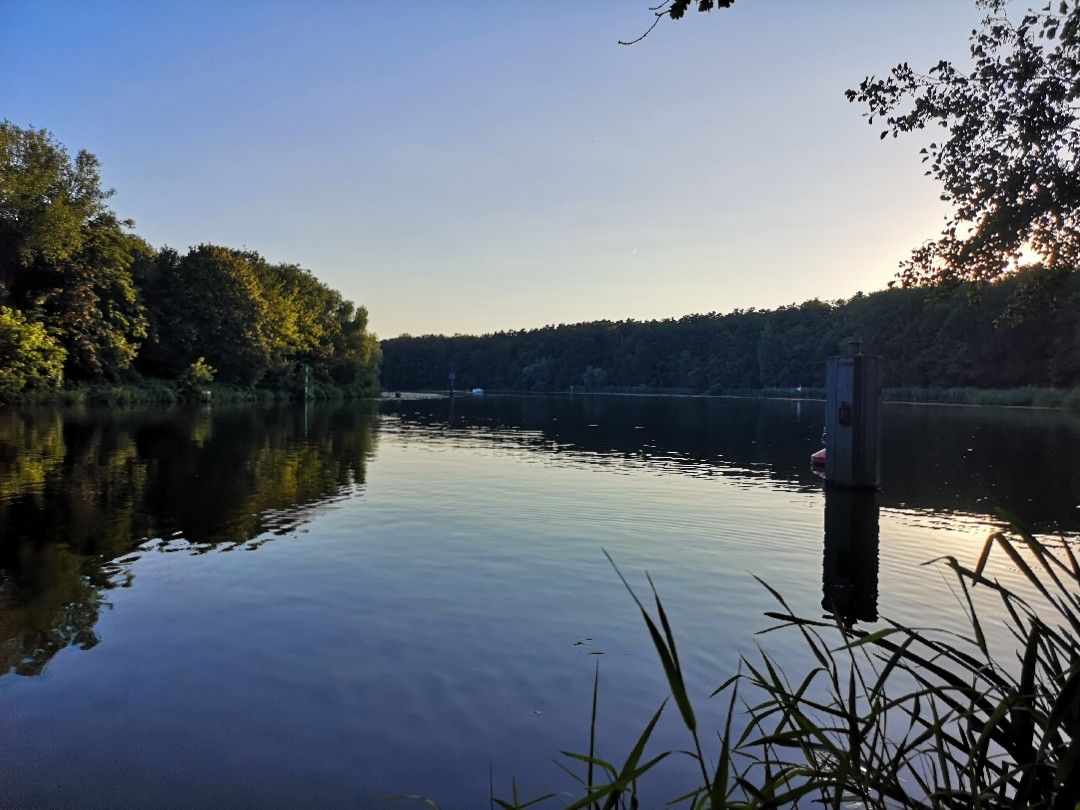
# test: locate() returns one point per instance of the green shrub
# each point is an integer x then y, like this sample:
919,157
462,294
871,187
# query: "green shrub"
144,392
29,356
197,376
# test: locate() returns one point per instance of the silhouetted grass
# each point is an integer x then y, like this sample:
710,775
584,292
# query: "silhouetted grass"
1026,397
898,717
802,392
1029,396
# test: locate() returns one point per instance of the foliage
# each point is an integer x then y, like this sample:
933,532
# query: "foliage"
120,309
45,199
91,302
676,9
1009,160
29,356
924,340
897,717
1009,163
65,258
255,322
209,303
198,375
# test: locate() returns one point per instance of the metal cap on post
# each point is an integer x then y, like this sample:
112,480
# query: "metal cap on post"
852,419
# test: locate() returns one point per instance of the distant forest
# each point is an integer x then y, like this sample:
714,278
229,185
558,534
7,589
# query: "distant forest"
84,299
1023,330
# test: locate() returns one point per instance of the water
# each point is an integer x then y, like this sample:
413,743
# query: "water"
273,606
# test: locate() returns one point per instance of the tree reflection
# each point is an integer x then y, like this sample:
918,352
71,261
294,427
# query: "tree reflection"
80,490
934,459
46,603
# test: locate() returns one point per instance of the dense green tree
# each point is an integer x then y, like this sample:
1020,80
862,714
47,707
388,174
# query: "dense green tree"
46,199
65,258
209,303
253,321
357,353
29,356
91,303
311,324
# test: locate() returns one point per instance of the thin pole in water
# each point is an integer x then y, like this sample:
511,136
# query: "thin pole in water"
307,386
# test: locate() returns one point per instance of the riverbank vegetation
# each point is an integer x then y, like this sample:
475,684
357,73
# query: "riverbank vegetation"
175,392
976,338
898,717
88,304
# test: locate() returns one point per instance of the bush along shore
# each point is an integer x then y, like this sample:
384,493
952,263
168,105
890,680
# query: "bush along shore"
900,716
171,392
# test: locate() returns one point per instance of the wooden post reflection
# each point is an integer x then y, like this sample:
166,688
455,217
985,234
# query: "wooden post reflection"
850,566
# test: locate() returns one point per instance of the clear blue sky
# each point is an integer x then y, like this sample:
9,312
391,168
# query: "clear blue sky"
473,166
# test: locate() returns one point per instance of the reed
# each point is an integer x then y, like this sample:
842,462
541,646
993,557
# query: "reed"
1025,397
899,717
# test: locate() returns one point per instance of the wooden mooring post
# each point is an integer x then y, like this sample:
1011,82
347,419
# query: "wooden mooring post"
852,420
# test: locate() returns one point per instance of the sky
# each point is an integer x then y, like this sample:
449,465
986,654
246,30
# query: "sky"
469,167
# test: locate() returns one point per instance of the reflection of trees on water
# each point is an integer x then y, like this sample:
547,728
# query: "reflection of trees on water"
47,602
80,490
937,459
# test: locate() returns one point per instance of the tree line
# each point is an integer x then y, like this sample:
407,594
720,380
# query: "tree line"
1006,158
83,298
987,336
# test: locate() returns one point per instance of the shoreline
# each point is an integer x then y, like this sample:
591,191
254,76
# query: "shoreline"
159,392
167,392
810,397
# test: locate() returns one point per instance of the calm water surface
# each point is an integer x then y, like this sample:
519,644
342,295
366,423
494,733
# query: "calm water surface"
272,607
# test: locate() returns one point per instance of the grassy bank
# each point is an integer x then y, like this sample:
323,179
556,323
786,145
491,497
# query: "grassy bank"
164,392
